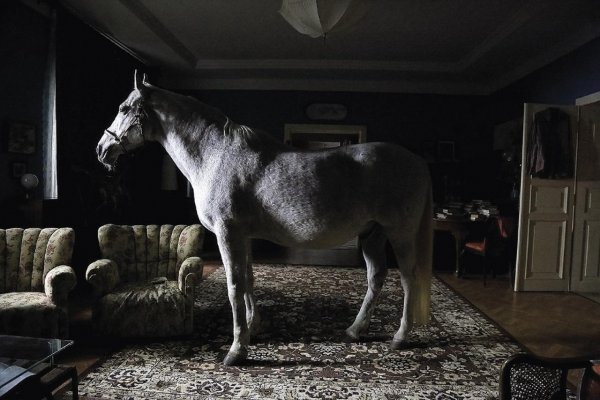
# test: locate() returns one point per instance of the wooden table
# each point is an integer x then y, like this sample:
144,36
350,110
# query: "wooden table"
458,228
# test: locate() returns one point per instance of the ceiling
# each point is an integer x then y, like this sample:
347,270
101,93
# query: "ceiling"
415,46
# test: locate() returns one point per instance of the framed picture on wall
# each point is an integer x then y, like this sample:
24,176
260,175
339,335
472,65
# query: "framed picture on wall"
18,169
20,138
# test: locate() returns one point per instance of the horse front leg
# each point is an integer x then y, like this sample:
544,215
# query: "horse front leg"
234,253
373,248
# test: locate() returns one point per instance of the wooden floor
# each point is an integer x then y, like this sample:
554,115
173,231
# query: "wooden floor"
548,324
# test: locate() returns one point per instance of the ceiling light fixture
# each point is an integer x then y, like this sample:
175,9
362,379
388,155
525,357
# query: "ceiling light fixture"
317,18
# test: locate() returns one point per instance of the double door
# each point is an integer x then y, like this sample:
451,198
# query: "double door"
559,223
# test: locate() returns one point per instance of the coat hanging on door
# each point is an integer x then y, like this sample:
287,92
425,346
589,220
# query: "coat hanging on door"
550,155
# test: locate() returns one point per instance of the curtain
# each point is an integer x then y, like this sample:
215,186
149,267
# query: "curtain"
50,181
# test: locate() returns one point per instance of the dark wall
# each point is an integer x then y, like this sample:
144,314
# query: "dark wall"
415,121
24,44
574,75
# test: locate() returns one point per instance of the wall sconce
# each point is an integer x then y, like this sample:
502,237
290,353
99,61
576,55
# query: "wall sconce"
29,182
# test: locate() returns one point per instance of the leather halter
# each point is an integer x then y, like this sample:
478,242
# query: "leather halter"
123,140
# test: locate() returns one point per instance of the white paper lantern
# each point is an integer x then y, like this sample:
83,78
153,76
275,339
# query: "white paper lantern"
317,18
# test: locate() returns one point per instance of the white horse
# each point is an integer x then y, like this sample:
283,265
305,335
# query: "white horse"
248,185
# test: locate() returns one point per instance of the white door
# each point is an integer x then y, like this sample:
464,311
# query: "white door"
545,220
585,276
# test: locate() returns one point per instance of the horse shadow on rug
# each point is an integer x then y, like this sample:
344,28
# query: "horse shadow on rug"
309,311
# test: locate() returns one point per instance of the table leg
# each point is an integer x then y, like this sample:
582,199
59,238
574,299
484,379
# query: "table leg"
459,238
74,383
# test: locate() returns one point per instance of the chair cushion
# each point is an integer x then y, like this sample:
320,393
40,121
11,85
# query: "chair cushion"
476,247
142,310
31,314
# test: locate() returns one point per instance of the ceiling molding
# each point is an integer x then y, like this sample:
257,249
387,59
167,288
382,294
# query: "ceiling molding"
324,85
517,20
99,27
318,64
587,33
162,32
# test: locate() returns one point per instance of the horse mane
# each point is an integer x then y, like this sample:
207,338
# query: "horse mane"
245,135
231,131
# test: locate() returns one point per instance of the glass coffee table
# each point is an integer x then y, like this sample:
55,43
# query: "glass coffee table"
27,359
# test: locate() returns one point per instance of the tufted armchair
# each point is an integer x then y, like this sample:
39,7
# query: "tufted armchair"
145,282
35,281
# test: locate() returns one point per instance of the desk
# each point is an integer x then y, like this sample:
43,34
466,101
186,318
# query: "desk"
27,366
458,228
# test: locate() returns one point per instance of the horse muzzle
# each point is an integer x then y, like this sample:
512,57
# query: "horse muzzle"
107,153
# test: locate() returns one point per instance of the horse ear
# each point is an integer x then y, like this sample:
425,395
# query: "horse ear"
136,80
140,81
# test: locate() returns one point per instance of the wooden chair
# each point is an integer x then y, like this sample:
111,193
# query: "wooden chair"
493,244
525,376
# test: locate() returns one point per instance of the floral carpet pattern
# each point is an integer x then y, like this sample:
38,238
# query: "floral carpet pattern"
300,352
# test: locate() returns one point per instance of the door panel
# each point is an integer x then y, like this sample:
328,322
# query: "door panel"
548,199
546,250
545,221
586,240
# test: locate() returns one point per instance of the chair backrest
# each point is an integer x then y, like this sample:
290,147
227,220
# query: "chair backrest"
144,252
27,255
525,376
506,226
499,236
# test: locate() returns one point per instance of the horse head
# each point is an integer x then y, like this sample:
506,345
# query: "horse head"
126,133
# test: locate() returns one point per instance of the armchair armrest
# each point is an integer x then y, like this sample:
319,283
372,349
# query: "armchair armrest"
58,283
191,265
103,275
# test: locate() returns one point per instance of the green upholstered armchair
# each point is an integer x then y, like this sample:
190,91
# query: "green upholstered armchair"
35,281
145,282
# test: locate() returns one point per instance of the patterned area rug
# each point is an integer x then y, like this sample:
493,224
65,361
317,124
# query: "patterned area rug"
301,354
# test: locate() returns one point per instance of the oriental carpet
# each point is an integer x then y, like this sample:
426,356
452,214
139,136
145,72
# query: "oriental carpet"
300,353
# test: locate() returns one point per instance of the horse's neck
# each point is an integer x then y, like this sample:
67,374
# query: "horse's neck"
183,129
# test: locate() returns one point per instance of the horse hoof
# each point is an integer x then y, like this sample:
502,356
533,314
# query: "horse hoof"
398,344
234,358
350,337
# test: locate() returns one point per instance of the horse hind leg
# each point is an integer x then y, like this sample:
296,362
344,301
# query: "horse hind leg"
406,258
414,254
252,315
373,248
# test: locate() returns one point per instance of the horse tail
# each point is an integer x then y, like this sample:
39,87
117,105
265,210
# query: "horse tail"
424,262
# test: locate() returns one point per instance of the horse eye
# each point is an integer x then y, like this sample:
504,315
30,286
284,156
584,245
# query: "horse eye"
123,108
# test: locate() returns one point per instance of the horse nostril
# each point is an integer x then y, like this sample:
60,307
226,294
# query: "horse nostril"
98,150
